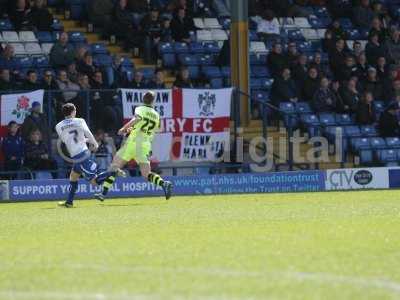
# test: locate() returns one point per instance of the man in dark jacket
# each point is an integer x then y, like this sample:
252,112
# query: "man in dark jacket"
363,14
310,85
350,96
62,54
324,99
36,120
158,81
13,149
151,29
337,57
40,17
5,80
388,121
30,83
373,85
181,25
284,89
365,114
276,60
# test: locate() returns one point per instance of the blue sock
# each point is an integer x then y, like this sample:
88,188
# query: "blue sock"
73,186
101,177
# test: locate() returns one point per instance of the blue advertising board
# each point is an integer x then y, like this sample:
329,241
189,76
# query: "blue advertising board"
302,181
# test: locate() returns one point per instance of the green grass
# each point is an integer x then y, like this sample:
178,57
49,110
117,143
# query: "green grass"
338,245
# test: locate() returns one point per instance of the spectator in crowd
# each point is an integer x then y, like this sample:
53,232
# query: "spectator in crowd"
104,151
166,32
72,73
80,55
151,27
328,42
338,33
363,14
292,54
393,46
69,92
181,25
324,99
357,48
13,149
83,82
337,57
36,120
374,49
87,67
317,63
348,70
299,71
48,82
381,68
122,26
5,81
158,81
40,17
310,85
267,25
350,96
19,15
284,89
276,60
139,7
62,54
377,27
299,9
372,84
394,92
364,112
336,90
37,154
103,104
31,82
138,81
388,81
183,79
388,121
100,12
362,67
224,57
7,59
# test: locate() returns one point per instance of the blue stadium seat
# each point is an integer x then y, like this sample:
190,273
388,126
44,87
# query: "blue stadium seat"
305,47
327,119
377,143
196,47
258,59
352,131
103,60
165,48
41,175
5,24
217,83
226,72
148,73
126,62
387,156
187,59
303,108
44,37
343,119
77,37
211,72
393,142
358,144
315,23
181,47
205,59
312,124
288,111
353,34
24,62
287,107
260,71
255,83
41,62
98,48
321,12
169,60
211,47
260,96
194,72
266,83
57,25
369,130
295,35
346,23
253,36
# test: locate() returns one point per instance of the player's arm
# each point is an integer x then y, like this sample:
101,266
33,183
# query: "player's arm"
128,126
88,134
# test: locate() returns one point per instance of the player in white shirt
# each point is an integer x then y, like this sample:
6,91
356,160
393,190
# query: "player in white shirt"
75,134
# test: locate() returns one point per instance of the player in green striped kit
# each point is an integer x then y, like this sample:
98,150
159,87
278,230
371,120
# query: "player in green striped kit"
141,130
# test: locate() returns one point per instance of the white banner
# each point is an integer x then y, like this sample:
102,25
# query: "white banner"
362,178
15,107
133,98
206,103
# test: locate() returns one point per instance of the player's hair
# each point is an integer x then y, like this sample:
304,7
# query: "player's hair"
67,109
148,98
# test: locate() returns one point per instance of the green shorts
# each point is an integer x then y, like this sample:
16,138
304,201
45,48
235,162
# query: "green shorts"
131,150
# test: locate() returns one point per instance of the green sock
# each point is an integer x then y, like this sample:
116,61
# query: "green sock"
155,179
107,184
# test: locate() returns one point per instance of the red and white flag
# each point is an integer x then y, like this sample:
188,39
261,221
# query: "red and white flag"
194,122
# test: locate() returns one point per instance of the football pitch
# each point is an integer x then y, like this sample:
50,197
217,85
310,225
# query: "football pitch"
336,245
